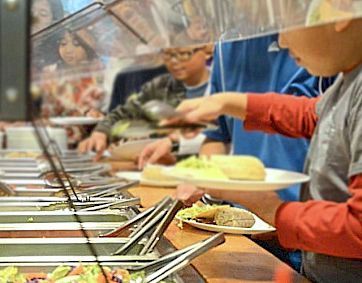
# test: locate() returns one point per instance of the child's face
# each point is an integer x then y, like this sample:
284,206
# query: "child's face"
71,51
42,13
315,49
184,63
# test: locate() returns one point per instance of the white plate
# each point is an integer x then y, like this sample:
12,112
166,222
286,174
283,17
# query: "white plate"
259,227
276,179
136,176
73,121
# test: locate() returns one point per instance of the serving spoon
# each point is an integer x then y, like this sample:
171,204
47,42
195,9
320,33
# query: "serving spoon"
157,110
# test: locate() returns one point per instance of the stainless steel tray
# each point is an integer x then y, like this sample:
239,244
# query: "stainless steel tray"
39,192
36,199
118,216
75,233
23,181
70,247
46,206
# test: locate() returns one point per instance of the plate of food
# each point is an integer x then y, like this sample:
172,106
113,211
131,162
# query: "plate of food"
236,173
74,121
223,218
152,175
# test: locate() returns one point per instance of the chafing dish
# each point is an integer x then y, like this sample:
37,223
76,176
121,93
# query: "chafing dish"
86,205
36,248
115,215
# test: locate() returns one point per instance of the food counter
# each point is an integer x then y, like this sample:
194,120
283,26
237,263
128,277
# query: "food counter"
239,259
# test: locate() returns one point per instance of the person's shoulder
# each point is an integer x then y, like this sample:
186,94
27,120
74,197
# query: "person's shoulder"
161,80
164,82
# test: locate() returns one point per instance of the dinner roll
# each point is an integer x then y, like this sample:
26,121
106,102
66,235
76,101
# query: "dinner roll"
242,167
154,173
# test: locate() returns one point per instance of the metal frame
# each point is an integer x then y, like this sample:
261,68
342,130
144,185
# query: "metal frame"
15,102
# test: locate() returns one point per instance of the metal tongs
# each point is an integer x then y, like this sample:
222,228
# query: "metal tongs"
150,226
157,110
160,269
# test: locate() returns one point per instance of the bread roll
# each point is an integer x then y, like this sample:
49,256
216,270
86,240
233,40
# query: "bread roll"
240,167
154,173
234,217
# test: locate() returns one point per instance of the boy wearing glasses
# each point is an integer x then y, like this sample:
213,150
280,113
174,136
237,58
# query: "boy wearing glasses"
188,78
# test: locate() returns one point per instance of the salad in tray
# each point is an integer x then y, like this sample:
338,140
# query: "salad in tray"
68,274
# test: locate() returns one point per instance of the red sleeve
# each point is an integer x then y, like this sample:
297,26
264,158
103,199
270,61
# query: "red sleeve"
288,115
323,226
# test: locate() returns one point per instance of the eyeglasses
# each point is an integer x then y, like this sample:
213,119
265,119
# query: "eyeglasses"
181,56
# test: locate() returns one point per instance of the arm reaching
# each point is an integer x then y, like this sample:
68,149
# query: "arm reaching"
97,141
284,114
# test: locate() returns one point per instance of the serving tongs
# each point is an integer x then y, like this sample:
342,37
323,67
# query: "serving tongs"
155,222
163,267
140,220
157,110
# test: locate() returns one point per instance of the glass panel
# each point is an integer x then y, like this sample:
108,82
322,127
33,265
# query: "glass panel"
83,52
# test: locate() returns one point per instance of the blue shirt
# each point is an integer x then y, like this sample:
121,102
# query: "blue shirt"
257,65
197,91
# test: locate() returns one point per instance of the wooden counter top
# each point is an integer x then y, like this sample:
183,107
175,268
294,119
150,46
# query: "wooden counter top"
238,260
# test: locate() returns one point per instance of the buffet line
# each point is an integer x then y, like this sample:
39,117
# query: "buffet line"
92,223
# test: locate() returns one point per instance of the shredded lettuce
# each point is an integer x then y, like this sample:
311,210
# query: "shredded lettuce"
60,272
200,168
138,277
11,274
119,128
192,212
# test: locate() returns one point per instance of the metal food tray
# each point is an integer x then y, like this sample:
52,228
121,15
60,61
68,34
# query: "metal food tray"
35,249
40,192
46,206
117,216
26,231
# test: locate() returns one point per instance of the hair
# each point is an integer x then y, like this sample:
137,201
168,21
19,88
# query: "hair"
89,50
57,9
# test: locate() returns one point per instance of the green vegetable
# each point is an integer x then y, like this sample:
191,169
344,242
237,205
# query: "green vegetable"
138,277
192,212
201,168
119,128
11,274
60,272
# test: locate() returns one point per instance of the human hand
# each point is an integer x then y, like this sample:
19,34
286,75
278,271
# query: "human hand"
97,141
208,109
157,151
188,194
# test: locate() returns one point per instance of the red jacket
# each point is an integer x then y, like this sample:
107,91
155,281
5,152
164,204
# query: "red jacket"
324,227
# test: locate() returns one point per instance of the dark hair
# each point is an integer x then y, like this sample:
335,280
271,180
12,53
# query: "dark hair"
57,9
91,54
